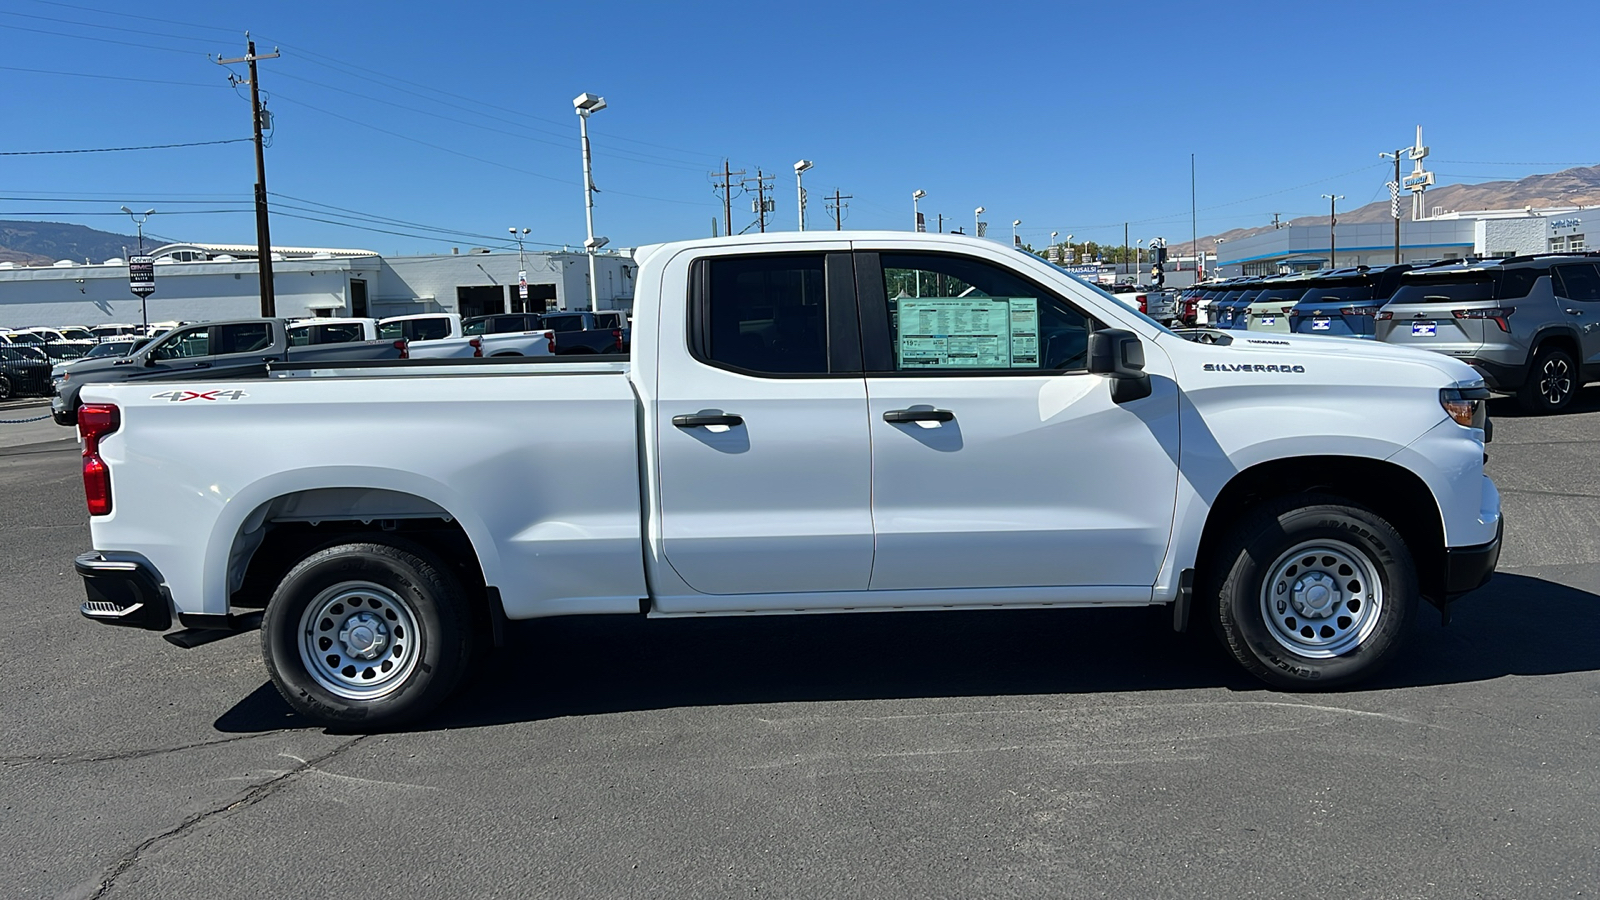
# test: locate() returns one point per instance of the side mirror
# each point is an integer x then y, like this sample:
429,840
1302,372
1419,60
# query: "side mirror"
1117,353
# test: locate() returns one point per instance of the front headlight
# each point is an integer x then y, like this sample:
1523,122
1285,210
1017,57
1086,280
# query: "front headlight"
1468,405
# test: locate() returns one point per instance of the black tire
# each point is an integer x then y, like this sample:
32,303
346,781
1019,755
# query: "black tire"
1552,382
5,388
419,660
1267,609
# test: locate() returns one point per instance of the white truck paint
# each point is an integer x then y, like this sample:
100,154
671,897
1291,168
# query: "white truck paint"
1038,488
439,336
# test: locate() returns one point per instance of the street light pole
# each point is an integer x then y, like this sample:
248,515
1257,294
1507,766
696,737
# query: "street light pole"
916,215
1333,220
1014,241
522,270
138,223
585,104
975,223
1394,198
800,192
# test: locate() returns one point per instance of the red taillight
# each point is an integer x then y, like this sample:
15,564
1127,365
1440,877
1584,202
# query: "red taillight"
550,342
95,421
477,347
616,334
1142,303
1384,315
1285,309
404,348
1497,314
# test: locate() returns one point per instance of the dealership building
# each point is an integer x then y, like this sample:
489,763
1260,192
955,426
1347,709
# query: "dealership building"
1452,235
196,282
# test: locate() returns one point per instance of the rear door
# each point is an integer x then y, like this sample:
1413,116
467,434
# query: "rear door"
998,461
1577,288
761,429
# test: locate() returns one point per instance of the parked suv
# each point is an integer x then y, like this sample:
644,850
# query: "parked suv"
1529,324
1345,302
1269,310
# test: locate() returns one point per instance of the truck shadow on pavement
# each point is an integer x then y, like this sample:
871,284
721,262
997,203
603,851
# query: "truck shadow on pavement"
1516,625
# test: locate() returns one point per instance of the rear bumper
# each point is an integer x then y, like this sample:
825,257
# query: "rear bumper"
1469,568
1499,376
123,589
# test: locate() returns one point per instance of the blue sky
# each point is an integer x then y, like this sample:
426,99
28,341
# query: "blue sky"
409,117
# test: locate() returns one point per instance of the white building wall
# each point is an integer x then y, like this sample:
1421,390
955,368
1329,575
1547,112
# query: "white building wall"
1513,236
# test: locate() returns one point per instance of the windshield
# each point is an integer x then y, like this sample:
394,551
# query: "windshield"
117,348
1281,293
1439,291
1131,310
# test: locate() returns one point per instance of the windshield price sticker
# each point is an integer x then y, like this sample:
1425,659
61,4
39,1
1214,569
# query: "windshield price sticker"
968,332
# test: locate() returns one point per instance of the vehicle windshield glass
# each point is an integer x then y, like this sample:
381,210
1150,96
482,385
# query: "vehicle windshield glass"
1130,310
112,349
1437,290
1281,293
1351,293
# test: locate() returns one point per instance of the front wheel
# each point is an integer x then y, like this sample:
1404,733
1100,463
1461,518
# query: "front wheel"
5,388
367,635
1314,593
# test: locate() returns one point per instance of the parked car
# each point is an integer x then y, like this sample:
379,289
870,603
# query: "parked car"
1269,310
502,323
1529,324
440,336
588,332
805,438
23,370
1153,302
114,330
1345,302
102,350
218,350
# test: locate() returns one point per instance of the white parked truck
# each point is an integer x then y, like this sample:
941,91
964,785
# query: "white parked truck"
817,423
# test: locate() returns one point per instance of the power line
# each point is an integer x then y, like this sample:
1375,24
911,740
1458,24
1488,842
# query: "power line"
109,77
232,32
85,37
121,29
121,149
147,196
836,208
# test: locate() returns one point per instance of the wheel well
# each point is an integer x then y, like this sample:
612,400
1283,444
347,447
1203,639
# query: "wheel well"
1560,340
284,544
1396,494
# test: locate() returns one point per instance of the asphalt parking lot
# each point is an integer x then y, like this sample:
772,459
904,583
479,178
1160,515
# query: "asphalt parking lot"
1028,754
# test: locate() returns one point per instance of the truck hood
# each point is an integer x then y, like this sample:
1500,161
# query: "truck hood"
1323,357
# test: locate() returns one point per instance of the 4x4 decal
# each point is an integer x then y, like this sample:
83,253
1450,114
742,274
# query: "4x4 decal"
181,396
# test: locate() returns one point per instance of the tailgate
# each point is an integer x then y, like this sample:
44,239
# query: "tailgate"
1430,326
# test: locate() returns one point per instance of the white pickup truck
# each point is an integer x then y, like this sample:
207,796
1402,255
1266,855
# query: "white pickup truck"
842,423
439,336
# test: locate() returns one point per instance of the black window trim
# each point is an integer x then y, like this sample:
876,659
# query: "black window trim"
842,334
877,348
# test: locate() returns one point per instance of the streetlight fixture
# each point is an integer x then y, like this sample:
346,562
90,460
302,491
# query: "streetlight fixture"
1137,246
586,104
799,191
1333,219
144,293
916,215
977,226
1068,242
1014,241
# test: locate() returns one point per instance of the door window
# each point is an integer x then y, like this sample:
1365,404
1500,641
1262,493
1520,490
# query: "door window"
762,314
185,345
1578,282
244,337
954,314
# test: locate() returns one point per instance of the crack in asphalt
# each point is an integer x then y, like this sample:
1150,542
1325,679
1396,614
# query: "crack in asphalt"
251,797
111,756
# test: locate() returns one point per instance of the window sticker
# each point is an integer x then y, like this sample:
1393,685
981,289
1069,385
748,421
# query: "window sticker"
967,332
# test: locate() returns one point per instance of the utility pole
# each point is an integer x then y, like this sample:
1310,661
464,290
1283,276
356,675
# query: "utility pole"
1275,225
761,209
836,208
1394,198
1125,251
269,304
1333,219
1194,226
727,195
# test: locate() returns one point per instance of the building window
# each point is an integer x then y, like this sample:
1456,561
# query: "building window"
1575,244
1558,245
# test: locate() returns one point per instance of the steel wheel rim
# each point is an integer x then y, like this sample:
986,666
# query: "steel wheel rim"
1557,380
1322,598
358,640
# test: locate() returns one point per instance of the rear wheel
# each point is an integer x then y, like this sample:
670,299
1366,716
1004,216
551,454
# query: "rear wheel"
1551,383
367,635
5,388
1313,593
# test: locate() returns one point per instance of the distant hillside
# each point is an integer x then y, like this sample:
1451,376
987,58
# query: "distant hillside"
1570,187
42,243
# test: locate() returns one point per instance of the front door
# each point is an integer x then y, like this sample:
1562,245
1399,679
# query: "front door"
998,461
761,429
1577,287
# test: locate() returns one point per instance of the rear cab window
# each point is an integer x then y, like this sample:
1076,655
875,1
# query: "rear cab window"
764,315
